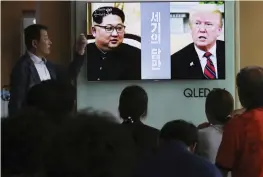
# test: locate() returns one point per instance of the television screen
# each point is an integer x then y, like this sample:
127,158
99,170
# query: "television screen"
155,40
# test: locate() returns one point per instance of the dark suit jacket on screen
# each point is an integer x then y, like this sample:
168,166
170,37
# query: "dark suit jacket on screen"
182,68
122,63
24,75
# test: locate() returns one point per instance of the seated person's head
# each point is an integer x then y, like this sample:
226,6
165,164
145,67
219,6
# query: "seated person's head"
133,104
108,28
250,87
103,114
90,145
24,140
53,97
219,106
181,131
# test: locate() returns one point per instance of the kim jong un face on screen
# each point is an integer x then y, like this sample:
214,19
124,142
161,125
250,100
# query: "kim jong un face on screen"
108,28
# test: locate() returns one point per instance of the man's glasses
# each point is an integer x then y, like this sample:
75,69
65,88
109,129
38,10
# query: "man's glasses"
110,28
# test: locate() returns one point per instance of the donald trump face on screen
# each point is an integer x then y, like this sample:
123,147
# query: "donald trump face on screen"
206,26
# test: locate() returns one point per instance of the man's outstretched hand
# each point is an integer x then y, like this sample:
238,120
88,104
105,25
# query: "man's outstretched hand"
81,44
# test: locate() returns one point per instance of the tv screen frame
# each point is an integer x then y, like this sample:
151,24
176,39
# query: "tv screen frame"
88,22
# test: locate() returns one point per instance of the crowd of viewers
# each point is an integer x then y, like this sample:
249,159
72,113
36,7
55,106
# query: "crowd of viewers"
48,138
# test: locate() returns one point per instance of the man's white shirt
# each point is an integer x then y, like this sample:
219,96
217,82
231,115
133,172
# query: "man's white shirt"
41,67
203,59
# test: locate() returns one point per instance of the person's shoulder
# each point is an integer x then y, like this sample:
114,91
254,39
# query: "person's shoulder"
250,114
148,127
234,124
220,44
131,53
23,62
206,166
203,125
183,51
205,130
144,130
234,120
23,59
128,47
209,134
152,129
91,45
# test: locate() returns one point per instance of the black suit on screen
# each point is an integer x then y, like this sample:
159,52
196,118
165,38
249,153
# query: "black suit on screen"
121,63
182,68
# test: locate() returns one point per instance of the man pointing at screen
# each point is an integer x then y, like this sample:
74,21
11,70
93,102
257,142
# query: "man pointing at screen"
109,58
205,57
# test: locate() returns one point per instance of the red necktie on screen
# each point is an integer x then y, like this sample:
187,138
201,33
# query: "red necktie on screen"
209,71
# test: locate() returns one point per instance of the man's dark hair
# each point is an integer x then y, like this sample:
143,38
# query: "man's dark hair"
180,130
102,12
250,87
133,103
33,32
52,97
219,104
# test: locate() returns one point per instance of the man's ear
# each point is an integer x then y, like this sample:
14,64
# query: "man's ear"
219,31
93,31
34,43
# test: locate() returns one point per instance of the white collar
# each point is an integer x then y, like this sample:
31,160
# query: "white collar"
201,53
36,59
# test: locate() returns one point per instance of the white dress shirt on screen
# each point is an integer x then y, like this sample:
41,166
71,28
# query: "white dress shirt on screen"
203,59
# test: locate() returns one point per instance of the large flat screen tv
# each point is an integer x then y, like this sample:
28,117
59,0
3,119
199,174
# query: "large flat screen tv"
155,41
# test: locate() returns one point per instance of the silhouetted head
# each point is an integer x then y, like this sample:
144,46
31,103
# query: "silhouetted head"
250,87
53,97
180,130
133,103
218,106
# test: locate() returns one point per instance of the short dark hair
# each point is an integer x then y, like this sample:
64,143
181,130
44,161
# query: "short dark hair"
250,87
51,96
133,103
219,104
32,32
180,130
102,12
